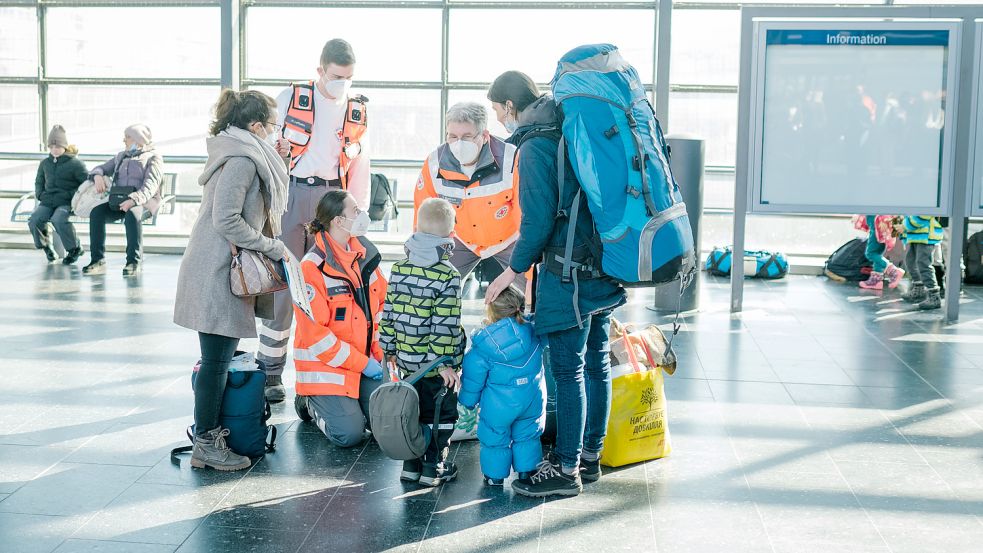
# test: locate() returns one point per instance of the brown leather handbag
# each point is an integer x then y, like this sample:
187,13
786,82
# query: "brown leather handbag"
254,274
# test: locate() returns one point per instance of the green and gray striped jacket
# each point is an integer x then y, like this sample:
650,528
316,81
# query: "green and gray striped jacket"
421,320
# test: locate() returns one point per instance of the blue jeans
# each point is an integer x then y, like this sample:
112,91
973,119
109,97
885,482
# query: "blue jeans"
875,250
579,361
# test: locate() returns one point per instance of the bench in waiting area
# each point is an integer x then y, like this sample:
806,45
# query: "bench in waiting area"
28,202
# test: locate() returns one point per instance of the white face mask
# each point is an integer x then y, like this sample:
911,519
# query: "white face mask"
510,123
338,88
360,224
271,138
465,151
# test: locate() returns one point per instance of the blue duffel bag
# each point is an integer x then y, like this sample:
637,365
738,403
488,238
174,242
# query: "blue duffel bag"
757,264
245,410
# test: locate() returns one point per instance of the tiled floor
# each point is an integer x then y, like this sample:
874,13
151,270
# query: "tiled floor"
821,419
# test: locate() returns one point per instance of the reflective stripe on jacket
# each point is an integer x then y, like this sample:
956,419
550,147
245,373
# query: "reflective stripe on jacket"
487,203
346,290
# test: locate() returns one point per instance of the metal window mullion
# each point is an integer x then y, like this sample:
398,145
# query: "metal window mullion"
703,88
445,39
243,51
661,60
42,85
128,3
492,5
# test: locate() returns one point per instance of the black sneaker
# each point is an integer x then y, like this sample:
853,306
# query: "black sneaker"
50,253
411,470
274,389
73,255
131,269
300,406
95,268
433,476
489,481
590,471
549,480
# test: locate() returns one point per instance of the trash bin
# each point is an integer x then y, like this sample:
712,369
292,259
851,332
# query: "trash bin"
686,161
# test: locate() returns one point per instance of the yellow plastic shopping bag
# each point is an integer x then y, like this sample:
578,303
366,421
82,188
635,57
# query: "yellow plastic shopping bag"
638,427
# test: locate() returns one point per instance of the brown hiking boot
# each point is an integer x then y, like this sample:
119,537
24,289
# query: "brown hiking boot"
211,450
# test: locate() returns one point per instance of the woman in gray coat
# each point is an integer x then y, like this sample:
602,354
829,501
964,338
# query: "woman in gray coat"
245,193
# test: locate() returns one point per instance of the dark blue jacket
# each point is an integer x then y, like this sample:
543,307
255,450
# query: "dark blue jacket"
505,360
540,229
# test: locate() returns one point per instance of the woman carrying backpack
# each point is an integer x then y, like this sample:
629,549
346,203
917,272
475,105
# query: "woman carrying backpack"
573,317
243,198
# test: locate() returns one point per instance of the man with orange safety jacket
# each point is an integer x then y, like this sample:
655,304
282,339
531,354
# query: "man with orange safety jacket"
325,136
475,172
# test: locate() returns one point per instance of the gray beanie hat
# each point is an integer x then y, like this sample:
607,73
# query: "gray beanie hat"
58,137
139,133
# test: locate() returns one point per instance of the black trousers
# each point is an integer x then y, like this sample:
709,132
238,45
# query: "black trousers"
134,231
428,388
216,355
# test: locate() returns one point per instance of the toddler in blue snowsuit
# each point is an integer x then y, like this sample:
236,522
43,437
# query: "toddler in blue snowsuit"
503,372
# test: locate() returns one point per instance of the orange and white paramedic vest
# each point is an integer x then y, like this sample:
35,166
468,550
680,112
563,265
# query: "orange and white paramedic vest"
347,292
298,127
487,203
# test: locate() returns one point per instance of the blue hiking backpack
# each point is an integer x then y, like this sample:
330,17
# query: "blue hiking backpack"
621,160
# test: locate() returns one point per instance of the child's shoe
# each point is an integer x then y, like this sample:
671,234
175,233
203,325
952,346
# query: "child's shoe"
893,276
874,282
917,294
489,481
933,301
434,475
411,470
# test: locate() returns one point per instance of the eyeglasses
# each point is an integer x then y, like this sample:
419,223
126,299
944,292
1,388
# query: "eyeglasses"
276,127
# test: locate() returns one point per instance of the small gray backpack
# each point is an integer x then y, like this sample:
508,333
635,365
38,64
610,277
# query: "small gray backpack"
394,415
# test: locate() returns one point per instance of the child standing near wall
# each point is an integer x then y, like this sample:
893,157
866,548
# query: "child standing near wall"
921,234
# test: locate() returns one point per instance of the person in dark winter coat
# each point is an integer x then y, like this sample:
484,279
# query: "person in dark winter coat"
139,167
59,176
573,317
503,372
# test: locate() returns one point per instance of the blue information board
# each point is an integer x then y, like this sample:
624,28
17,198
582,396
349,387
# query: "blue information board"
850,117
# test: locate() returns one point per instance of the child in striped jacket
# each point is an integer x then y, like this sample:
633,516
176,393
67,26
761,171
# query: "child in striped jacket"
421,322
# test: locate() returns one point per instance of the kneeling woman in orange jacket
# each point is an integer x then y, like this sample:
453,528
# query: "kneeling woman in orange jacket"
337,354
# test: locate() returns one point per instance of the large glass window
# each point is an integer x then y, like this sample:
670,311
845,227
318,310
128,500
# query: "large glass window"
486,43
19,118
95,116
133,42
706,47
710,116
390,44
18,42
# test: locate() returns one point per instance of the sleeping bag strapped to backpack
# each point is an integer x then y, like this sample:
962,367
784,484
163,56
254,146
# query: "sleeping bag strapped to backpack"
621,160
245,410
849,262
757,264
